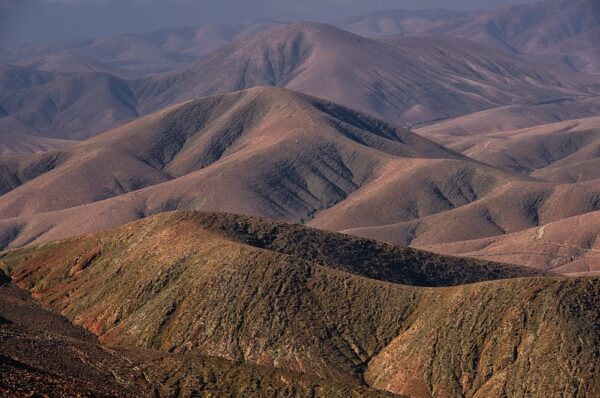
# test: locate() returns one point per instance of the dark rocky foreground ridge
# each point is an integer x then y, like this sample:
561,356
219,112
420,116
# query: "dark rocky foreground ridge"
214,303
43,355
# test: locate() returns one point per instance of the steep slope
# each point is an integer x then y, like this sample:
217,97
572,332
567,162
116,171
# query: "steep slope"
43,353
402,81
262,151
16,170
177,375
245,289
240,262
450,349
15,78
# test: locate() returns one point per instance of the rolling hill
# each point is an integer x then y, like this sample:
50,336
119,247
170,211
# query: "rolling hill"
568,246
397,22
263,151
235,211
62,105
347,309
508,118
564,152
474,203
563,31
280,154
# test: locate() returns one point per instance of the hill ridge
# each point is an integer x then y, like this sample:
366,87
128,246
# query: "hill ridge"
294,314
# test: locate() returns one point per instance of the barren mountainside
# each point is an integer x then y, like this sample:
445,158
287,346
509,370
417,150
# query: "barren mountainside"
131,54
286,155
62,105
559,32
406,81
275,153
399,204
43,352
348,309
570,245
397,22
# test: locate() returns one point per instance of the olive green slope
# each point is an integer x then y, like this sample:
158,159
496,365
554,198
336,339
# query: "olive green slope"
350,310
43,354
192,375
536,337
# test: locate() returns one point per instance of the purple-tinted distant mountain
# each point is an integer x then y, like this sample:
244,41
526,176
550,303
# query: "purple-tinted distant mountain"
134,53
568,30
397,22
65,62
402,80
406,80
62,105
559,32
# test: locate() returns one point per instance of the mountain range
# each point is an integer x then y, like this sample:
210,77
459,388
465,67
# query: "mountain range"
399,204
277,153
129,55
334,307
385,78
560,32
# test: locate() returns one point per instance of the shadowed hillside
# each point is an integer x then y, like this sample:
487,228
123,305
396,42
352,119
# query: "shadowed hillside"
245,289
62,105
279,154
43,352
262,151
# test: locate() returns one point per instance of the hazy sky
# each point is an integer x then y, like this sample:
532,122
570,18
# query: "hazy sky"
42,20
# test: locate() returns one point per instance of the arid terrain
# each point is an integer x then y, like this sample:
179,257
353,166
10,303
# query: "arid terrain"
331,306
403,203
